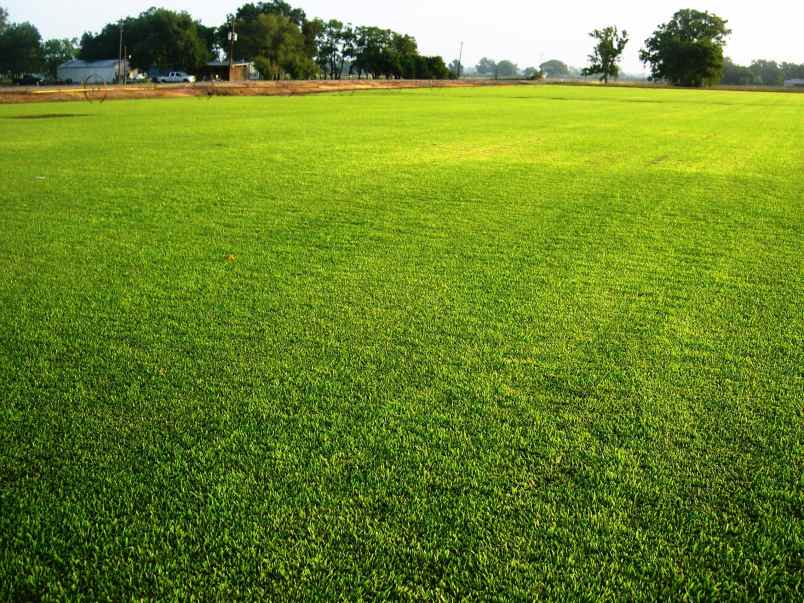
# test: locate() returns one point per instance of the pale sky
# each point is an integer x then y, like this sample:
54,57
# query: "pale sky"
524,31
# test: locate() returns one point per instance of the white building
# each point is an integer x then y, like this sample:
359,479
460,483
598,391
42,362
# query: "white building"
91,72
794,83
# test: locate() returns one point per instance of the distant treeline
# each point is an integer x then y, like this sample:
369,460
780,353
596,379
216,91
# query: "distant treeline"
284,43
279,39
760,73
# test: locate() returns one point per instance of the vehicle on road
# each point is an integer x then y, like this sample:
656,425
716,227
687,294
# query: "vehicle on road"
176,77
29,80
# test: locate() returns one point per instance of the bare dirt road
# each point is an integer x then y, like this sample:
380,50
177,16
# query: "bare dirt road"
284,88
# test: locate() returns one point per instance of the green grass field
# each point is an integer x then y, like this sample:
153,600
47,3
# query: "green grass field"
504,343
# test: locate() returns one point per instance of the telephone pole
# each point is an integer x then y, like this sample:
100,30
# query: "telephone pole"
232,40
120,67
460,62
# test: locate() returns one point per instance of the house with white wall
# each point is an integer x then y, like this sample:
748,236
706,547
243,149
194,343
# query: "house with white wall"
92,72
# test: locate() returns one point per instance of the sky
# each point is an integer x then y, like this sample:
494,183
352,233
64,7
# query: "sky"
523,31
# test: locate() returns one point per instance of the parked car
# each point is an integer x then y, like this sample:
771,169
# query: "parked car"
176,77
29,80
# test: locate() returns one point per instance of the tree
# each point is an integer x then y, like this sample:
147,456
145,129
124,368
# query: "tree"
250,11
759,73
156,38
329,47
405,60
310,29
438,68
735,75
792,71
555,68
208,36
506,69
335,48
486,66
456,69
385,53
55,52
276,44
277,37
766,73
20,49
372,56
688,50
490,67
531,73
3,19
431,68
606,54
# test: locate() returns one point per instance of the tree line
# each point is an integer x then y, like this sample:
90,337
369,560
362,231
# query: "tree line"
760,73
685,51
284,44
280,39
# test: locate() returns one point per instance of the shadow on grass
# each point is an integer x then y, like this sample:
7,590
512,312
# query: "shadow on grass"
48,116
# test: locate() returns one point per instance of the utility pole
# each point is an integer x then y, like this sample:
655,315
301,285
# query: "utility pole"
120,67
232,40
460,62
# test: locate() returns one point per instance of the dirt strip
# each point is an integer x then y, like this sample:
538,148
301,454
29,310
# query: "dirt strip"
15,94
285,88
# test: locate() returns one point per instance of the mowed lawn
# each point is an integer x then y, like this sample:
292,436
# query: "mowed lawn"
504,343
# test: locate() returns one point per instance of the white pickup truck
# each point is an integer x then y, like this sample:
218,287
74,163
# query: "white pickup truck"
176,77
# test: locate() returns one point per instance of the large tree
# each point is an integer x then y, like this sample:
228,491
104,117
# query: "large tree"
531,73
58,51
609,47
735,75
335,48
506,69
486,66
687,50
555,68
277,37
276,44
406,60
384,53
760,73
767,73
496,69
431,68
20,49
792,71
156,38
209,37
250,11
372,52
310,30
3,19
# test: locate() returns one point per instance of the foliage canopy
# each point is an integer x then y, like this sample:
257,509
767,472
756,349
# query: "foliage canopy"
607,52
688,49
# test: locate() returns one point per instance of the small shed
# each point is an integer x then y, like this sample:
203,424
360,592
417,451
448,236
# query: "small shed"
93,72
794,83
219,70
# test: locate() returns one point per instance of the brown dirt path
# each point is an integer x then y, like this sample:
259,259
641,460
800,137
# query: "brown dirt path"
284,88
